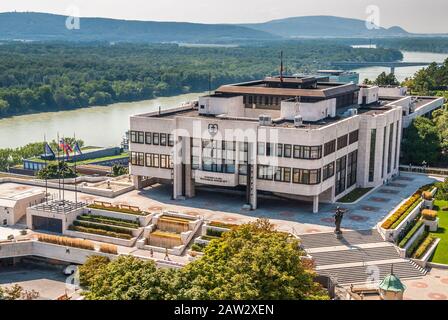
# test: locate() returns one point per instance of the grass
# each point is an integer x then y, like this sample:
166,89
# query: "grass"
441,253
354,195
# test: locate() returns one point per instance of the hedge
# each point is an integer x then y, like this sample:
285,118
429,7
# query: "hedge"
214,233
430,215
424,247
104,227
117,209
222,225
410,251
410,234
398,216
108,220
100,232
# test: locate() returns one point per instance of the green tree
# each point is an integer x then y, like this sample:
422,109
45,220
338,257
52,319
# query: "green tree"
119,170
421,142
55,170
89,270
384,79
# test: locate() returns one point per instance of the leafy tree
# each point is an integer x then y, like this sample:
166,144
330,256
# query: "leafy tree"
250,262
384,79
421,142
55,170
16,292
442,190
119,170
89,270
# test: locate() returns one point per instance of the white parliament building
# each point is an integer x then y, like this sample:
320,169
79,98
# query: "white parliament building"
296,137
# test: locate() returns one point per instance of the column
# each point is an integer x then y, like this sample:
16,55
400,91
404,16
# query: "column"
316,204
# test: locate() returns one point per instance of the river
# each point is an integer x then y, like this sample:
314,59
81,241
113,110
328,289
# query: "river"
105,126
97,126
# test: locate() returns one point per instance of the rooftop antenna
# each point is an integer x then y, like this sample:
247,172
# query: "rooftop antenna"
209,83
59,169
74,156
281,66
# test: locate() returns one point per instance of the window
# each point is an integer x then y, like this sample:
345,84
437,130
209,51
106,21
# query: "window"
282,174
261,148
148,137
342,142
265,172
270,149
352,166
305,176
372,155
340,175
329,147
384,151
137,159
170,140
163,139
152,160
397,145
218,156
389,155
243,158
155,138
287,148
353,137
306,152
279,150
328,171
166,161
137,137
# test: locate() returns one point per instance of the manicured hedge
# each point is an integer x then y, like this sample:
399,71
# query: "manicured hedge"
400,214
426,244
222,225
108,220
408,237
199,247
104,227
100,232
430,215
410,251
214,233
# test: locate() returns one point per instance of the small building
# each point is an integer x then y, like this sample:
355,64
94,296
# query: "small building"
13,208
391,288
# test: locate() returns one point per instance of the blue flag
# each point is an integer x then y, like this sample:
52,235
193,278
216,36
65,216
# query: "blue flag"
76,148
48,150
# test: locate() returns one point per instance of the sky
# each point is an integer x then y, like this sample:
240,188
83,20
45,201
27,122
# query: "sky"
417,16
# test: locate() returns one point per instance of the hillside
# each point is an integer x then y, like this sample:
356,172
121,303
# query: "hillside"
43,26
322,27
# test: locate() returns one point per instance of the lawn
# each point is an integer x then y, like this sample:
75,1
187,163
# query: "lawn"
354,195
441,253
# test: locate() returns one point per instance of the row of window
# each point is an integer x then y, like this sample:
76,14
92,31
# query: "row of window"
306,152
299,176
154,138
152,160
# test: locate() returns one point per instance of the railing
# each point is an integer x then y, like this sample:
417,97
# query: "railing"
425,170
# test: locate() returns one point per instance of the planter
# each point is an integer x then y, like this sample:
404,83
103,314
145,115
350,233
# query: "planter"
423,262
416,235
433,225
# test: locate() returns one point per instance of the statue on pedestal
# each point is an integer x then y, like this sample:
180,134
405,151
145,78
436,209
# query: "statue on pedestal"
338,216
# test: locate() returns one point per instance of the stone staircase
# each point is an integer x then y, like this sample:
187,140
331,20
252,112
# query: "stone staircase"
357,257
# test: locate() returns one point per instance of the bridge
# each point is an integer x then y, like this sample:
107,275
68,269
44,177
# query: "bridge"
347,65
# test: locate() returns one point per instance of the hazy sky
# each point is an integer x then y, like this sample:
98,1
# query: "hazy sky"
413,15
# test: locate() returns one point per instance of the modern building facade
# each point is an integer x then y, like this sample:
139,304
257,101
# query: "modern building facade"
291,136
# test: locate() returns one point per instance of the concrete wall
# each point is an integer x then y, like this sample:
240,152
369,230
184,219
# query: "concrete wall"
309,111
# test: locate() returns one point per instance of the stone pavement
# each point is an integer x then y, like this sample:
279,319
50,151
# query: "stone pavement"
434,286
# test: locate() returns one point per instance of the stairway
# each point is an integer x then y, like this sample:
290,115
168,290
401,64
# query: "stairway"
357,257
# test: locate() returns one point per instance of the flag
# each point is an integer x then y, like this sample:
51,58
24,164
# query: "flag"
48,150
77,148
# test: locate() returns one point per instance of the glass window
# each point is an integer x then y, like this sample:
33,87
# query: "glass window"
328,171
269,149
170,140
372,155
342,142
287,150
354,136
148,137
163,139
261,149
155,138
329,147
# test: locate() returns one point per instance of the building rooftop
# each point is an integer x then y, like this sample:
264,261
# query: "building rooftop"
59,206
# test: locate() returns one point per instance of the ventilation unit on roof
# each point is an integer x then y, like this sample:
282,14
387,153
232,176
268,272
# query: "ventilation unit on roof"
265,120
298,121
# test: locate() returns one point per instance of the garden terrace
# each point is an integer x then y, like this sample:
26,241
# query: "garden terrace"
109,221
65,241
117,208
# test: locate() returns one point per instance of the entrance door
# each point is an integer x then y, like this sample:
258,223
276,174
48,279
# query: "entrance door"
47,224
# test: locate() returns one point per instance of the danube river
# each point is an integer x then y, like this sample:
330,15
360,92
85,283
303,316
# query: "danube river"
105,126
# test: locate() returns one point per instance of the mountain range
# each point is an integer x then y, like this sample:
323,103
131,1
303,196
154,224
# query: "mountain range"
43,26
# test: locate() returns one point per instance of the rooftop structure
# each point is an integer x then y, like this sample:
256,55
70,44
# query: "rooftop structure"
13,205
296,137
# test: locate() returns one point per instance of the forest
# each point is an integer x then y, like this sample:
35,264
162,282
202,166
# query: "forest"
37,77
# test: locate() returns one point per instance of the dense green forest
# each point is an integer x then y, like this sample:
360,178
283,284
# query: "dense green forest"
37,77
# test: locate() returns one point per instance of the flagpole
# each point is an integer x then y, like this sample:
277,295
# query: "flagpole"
74,155
59,170
46,177
63,176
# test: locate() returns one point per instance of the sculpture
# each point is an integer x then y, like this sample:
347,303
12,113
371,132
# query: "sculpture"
339,215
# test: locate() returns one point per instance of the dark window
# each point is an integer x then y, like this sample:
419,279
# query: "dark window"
305,176
287,150
354,136
397,146
163,140
153,160
138,137
148,137
279,150
265,172
166,161
307,152
352,166
342,142
155,138
261,148
328,171
282,174
389,155
341,168
372,155
270,149
384,151
329,147
170,140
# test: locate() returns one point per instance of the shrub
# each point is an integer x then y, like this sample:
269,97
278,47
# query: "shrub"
429,215
199,247
407,228
427,195
100,232
410,251
214,233
424,247
65,241
117,209
222,225
105,227
108,248
108,220
408,237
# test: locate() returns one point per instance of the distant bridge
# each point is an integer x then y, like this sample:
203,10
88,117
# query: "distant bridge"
347,65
